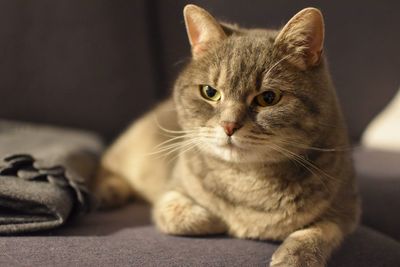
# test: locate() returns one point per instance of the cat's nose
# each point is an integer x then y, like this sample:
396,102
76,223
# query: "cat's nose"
230,127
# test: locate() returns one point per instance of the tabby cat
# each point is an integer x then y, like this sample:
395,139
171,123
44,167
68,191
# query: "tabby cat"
252,143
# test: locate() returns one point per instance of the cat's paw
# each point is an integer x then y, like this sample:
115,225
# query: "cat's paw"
177,214
294,253
112,192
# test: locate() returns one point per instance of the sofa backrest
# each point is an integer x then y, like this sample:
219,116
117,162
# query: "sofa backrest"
85,64
99,64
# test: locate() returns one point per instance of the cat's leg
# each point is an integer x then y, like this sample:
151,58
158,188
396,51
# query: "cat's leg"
111,190
128,166
309,247
176,214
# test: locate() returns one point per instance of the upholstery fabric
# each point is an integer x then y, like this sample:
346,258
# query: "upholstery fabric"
123,56
124,237
73,63
379,179
99,64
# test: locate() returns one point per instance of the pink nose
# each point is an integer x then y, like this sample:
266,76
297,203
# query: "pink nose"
230,127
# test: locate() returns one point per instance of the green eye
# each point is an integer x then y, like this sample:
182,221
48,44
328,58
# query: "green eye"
268,98
210,93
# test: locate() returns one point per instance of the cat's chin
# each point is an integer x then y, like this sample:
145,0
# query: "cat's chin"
234,153
232,149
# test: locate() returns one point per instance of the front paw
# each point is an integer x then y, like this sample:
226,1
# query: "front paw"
294,253
176,214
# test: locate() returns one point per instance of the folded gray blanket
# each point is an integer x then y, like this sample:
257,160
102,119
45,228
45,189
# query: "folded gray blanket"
43,173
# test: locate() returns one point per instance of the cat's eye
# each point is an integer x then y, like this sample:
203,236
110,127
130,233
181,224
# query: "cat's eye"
210,93
268,98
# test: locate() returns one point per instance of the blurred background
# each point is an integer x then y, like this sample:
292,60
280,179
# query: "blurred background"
97,65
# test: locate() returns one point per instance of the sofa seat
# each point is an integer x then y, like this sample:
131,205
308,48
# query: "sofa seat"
125,236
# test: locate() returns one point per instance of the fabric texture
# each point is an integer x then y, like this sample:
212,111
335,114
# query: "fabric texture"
379,181
123,237
43,171
121,56
113,60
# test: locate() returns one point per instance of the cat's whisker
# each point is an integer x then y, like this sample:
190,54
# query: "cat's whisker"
172,131
169,147
171,152
169,135
307,162
183,136
277,82
269,71
190,143
296,160
299,145
182,61
173,139
300,160
183,151
175,131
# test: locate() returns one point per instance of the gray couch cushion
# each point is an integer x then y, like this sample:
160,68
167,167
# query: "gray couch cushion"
124,238
379,179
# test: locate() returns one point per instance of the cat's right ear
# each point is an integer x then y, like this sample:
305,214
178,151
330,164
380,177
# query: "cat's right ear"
302,38
202,29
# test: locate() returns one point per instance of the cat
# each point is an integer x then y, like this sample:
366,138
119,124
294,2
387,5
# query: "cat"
256,143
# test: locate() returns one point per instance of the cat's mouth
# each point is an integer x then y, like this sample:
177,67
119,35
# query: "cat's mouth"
230,143
231,149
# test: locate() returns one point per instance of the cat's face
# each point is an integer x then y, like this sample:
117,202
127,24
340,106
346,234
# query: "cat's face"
248,96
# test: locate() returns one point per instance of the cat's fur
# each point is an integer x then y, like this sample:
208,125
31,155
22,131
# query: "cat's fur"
285,174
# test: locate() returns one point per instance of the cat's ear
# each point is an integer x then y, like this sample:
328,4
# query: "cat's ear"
302,38
202,29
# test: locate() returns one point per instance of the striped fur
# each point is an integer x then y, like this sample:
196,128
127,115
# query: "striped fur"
288,175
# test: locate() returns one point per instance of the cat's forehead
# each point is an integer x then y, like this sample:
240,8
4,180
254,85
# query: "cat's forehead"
240,62
248,50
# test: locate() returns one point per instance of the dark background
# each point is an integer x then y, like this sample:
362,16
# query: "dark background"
97,65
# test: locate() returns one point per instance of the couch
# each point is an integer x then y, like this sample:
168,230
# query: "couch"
98,65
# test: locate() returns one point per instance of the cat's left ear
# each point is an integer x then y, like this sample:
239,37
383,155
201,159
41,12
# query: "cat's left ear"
203,30
302,38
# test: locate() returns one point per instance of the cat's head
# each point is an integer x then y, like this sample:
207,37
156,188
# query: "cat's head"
248,93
